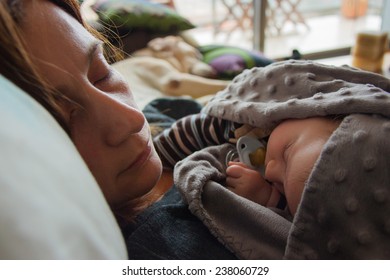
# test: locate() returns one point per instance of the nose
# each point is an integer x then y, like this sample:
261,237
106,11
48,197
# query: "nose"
119,120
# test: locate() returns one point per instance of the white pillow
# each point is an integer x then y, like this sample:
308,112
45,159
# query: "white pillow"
50,205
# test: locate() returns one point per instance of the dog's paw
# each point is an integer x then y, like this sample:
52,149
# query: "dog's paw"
203,70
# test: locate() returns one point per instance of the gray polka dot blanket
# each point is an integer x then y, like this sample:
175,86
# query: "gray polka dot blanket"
345,209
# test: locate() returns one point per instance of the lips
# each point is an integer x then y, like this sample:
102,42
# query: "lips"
140,160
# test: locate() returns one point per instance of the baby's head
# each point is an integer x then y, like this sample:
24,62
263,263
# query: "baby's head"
293,148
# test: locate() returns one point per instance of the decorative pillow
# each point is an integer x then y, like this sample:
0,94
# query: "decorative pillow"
50,205
140,15
231,61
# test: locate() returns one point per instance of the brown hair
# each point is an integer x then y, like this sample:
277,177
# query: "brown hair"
16,64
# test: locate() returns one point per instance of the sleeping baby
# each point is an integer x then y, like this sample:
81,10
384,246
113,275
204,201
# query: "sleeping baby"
292,149
328,154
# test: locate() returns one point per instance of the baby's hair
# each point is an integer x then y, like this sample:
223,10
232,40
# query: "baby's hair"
336,117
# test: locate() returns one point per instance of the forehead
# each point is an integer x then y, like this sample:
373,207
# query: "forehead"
315,127
286,127
313,123
52,35
287,131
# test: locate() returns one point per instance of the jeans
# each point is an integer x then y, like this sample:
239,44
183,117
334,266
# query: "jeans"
168,230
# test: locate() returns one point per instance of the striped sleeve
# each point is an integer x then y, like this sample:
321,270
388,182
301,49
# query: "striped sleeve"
192,133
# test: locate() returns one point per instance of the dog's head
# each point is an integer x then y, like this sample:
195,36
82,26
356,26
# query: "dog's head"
181,55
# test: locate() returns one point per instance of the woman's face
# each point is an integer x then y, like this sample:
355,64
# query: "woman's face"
293,148
106,126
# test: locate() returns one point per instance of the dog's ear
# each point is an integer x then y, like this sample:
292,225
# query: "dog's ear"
177,39
143,52
157,44
202,69
188,50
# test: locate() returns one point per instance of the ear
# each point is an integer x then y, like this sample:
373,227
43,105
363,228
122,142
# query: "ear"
188,49
202,69
156,45
178,39
170,41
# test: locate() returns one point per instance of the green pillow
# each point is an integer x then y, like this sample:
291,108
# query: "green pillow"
229,61
140,15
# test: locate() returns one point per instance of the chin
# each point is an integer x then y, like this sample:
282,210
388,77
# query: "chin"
150,175
138,185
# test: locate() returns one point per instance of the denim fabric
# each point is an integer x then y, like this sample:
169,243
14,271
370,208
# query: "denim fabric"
168,230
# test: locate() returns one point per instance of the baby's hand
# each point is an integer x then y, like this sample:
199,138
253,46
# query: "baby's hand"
248,183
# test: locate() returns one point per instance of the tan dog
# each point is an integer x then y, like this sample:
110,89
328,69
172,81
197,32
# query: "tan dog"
181,55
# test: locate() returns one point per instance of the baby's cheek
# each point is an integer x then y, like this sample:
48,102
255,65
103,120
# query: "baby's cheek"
294,190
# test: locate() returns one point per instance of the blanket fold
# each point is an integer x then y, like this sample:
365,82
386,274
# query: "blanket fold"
345,209
200,179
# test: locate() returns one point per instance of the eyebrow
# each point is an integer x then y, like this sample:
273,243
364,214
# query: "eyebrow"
95,45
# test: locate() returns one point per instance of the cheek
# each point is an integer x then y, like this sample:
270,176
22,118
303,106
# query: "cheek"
144,179
299,170
90,154
293,193
135,184
89,148
100,165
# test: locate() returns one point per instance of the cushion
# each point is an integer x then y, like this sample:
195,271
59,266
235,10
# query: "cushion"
140,15
231,61
50,205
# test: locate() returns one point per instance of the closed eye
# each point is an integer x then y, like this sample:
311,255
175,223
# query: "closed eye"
99,71
286,151
104,78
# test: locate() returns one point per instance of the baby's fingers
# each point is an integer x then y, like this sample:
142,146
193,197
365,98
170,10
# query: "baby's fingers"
231,182
238,163
235,171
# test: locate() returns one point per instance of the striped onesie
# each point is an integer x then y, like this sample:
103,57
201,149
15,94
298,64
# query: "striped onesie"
193,133
190,134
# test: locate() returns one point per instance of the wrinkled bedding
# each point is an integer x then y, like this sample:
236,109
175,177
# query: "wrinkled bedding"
345,208
152,78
